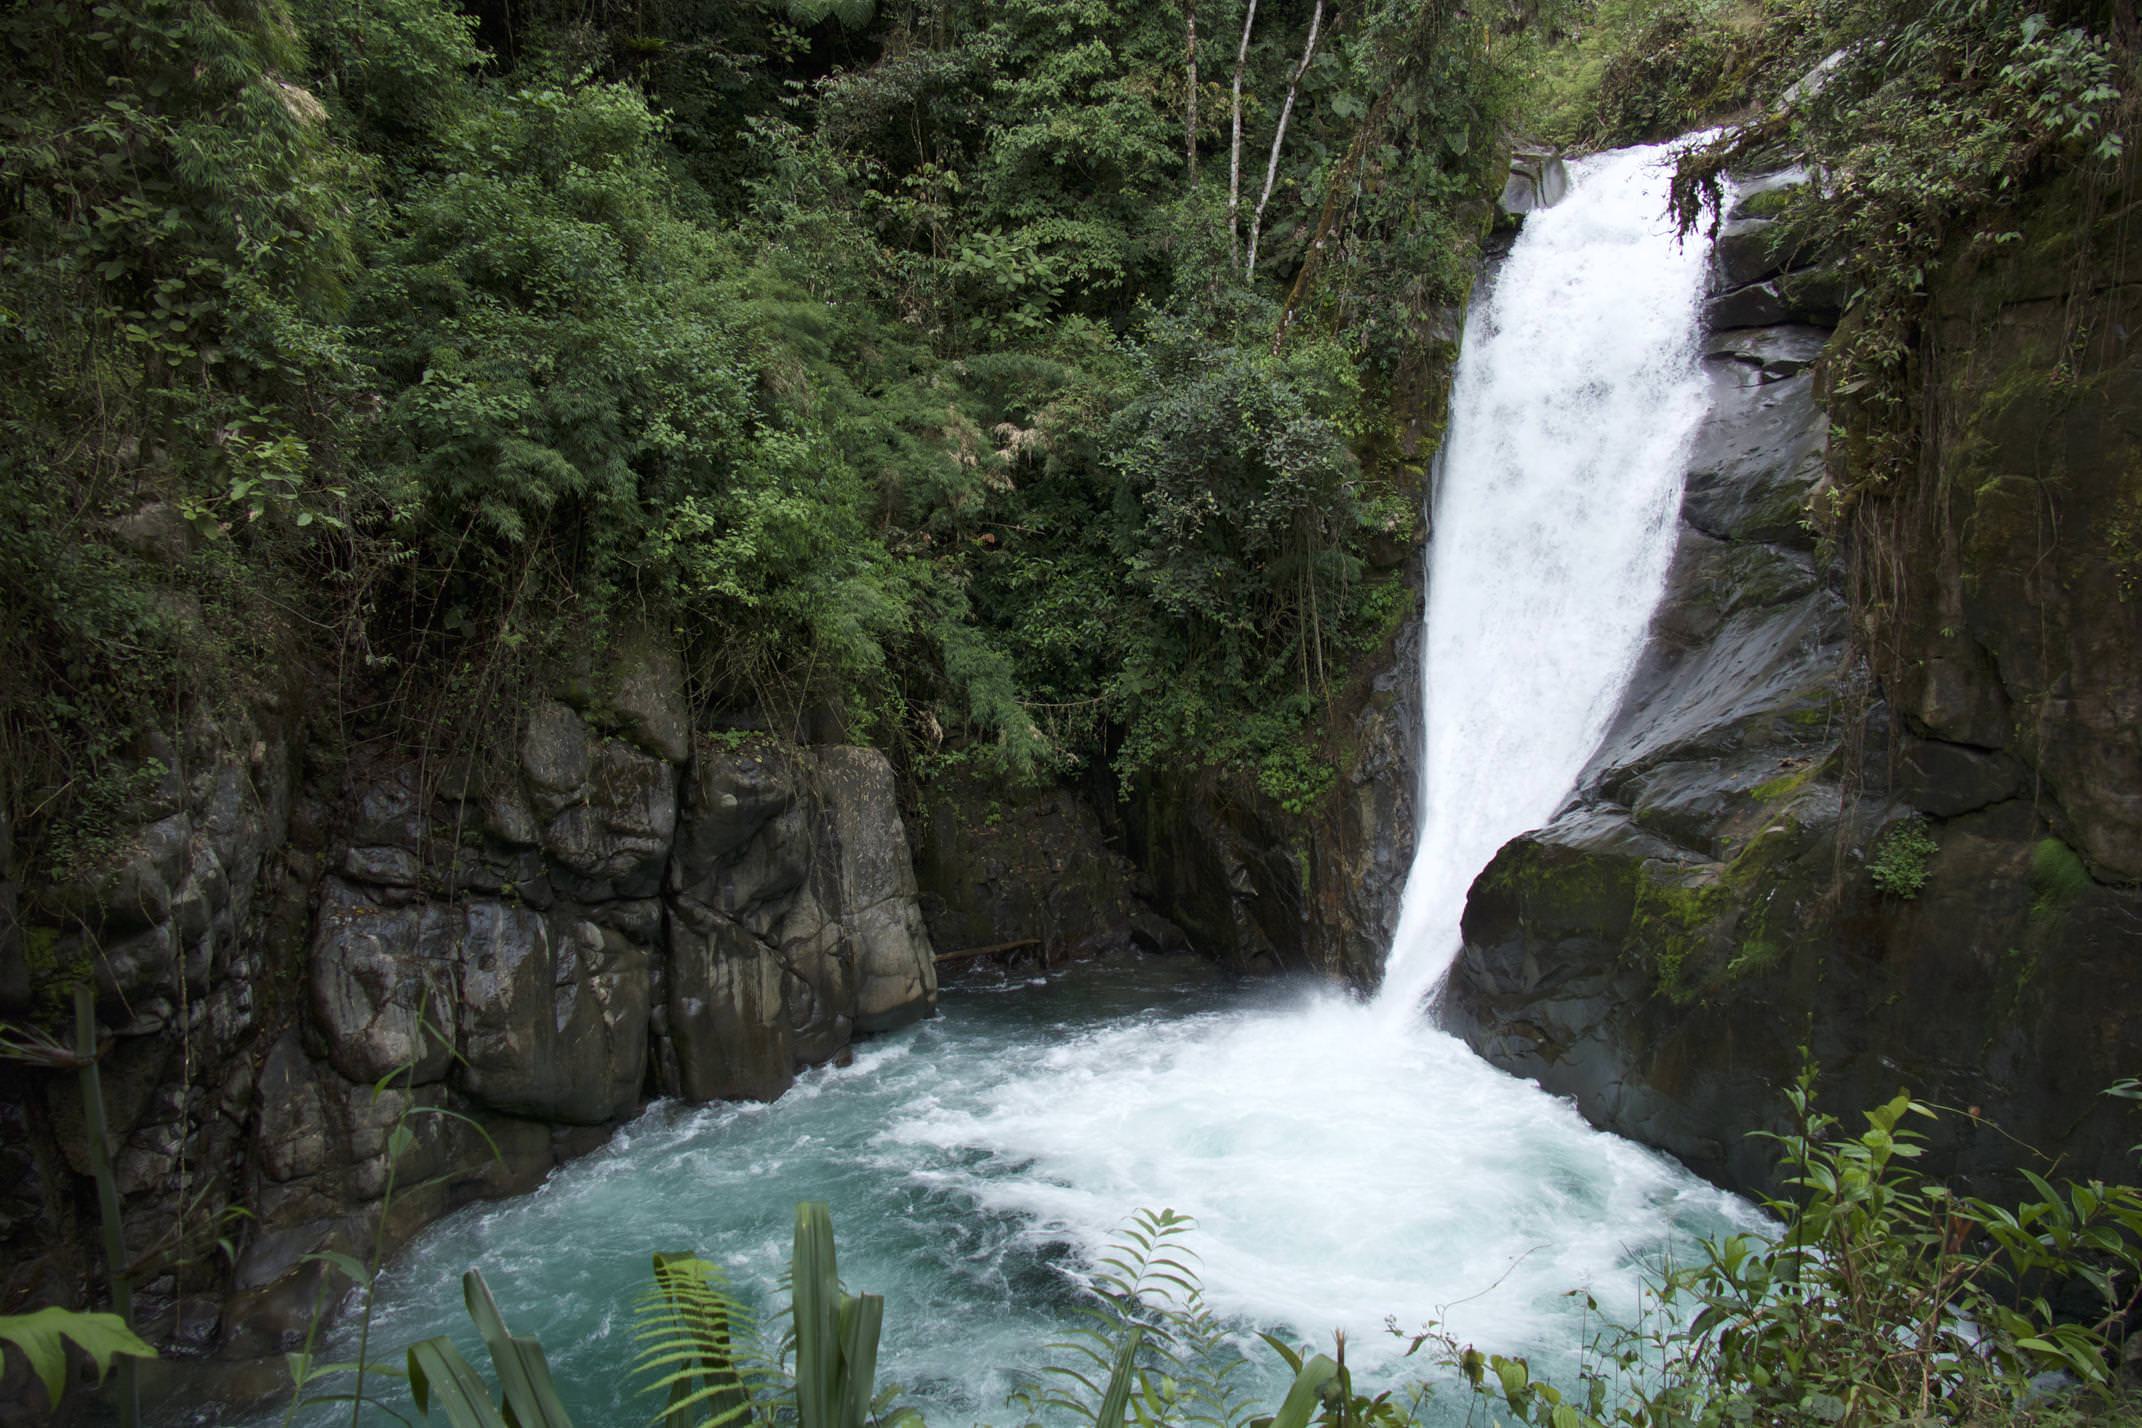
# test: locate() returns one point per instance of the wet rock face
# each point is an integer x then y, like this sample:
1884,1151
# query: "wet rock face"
1002,865
2021,604
566,935
1708,903
1265,888
179,926
499,960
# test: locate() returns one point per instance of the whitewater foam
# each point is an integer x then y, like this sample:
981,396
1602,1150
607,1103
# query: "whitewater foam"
1576,394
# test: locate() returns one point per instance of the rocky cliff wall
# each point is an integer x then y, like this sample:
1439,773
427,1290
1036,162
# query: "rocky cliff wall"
445,979
1912,852
1264,887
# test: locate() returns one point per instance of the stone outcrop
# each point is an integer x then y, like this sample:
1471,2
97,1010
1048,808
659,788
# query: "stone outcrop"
1003,864
1264,887
1912,853
445,978
547,946
179,922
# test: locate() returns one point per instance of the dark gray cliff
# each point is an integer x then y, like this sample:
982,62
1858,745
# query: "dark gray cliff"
481,966
1735,877
1265,887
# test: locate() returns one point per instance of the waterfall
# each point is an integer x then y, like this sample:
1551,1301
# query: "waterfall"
1577,391
1344,1162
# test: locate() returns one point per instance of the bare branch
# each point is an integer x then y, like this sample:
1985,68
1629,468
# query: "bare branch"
1279,135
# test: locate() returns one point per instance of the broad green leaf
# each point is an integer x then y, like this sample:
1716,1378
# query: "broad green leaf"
40,1336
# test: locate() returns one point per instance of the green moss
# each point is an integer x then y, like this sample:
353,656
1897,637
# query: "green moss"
1785,785
40,948
1702,933
1770,203
2019,967
2123,546
2057,877
1672,924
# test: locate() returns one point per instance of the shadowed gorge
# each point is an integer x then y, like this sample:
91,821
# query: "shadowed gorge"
1379,715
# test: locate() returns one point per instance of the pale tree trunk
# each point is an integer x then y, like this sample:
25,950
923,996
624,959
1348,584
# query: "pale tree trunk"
1279,135
1190,105
1234,152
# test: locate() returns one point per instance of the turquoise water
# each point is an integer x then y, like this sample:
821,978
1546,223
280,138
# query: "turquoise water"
1347,1163
1341,1171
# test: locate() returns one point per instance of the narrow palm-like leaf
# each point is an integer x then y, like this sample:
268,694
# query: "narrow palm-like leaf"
862,1317
531,1398
440,1378
815,1300
1303,1397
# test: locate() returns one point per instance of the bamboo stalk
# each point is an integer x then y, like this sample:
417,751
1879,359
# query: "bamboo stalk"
1190,106
1234,151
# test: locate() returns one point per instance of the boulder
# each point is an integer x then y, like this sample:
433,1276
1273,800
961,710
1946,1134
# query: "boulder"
553,1015
895,966
1768,354
381,984
728,1027
644,693
613,839
1537,180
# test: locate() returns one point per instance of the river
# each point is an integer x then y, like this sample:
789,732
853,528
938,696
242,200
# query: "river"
1346,1161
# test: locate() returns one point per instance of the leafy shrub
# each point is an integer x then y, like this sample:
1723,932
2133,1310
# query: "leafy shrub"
1882,1297
175,252
1637,71
1929,117
1898,866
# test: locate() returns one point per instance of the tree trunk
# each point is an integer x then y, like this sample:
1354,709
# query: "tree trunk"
1234,153
1190,104
1279,136
1335,189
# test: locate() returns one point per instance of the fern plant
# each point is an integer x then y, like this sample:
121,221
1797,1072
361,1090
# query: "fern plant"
700,1346
1151,1350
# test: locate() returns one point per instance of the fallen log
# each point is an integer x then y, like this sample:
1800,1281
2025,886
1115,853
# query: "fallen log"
965,953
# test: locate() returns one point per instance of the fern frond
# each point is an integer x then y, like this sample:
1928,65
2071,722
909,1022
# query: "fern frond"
699,1346
1149,1348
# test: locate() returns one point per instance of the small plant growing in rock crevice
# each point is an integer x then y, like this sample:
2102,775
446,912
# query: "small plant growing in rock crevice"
1899,864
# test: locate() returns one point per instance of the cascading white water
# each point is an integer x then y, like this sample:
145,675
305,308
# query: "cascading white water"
1345,1162
1576,394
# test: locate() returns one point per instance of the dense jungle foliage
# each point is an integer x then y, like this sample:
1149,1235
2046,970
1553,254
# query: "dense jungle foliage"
904,361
